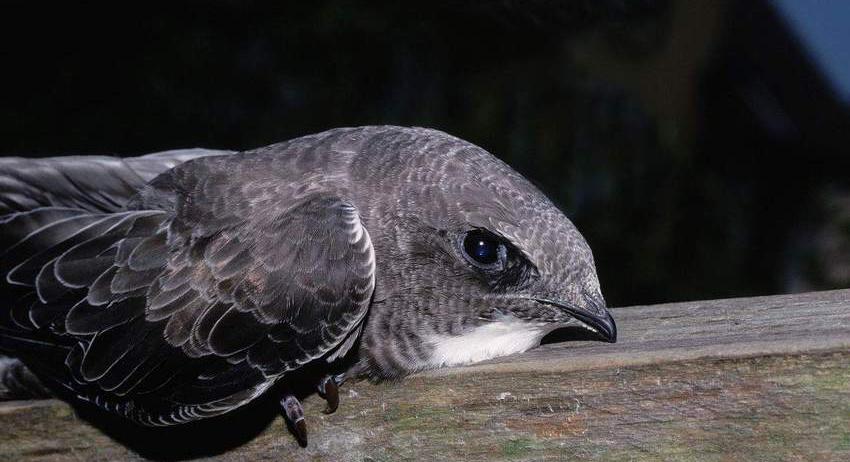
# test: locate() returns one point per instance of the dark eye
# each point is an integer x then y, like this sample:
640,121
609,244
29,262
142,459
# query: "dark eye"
482,247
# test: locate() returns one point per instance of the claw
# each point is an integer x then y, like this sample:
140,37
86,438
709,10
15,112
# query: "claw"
300,430
329,390
294,415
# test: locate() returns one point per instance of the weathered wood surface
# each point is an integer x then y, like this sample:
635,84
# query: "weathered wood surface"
758,379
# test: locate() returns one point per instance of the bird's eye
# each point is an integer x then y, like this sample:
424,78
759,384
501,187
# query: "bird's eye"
483,247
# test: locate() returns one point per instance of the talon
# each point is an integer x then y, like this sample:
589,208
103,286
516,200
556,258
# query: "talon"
329,390
294,415
301,432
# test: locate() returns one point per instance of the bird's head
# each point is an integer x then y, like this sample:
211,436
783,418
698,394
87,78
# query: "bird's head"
477,262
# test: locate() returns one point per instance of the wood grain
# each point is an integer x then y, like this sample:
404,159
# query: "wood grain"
764,378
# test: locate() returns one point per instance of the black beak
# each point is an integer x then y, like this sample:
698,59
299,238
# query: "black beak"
596,317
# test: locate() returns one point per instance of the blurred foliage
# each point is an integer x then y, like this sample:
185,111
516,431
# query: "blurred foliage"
608,106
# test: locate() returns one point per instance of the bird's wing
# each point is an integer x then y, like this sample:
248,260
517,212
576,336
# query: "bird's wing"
95,183
200,307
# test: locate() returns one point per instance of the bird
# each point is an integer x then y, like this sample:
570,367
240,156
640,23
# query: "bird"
182,285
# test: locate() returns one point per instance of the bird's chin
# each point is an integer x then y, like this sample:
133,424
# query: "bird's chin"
504,336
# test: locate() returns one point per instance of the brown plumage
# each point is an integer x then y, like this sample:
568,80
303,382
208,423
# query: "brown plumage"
179,286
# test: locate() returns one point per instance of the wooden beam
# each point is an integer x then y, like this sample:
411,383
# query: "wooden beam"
764,378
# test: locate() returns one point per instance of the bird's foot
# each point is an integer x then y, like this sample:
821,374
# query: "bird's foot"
294,415
293,412
329,390
17,382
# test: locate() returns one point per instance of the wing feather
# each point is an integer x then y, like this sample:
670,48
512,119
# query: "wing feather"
176,314
91,183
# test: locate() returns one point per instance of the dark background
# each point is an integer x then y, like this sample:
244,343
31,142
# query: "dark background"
697,145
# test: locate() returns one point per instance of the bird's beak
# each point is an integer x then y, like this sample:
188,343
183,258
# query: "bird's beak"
595,315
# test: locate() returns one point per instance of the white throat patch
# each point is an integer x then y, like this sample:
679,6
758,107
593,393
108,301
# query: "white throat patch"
503,337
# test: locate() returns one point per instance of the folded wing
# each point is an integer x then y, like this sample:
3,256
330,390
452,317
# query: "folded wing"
170,315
